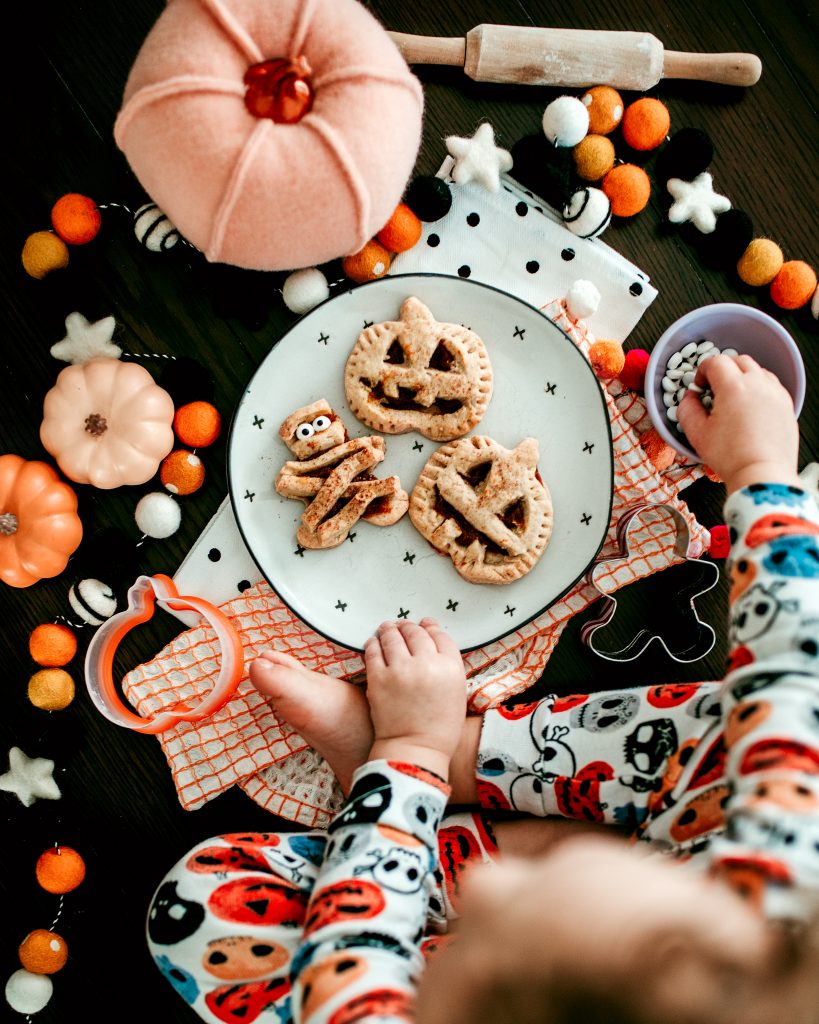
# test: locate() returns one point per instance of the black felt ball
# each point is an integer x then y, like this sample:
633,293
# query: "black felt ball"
429,197
687,154
186,380
545,169
728,241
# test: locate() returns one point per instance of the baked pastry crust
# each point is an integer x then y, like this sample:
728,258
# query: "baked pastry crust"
485,507
416,373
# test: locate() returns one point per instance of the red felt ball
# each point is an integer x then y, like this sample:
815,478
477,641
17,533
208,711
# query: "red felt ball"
76,218
794,285
628,188
633,374
401,231
645,123
197,424
720,543
52,645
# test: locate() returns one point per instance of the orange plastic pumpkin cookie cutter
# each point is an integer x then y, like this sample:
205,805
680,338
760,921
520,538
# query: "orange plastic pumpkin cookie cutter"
699,637
144,595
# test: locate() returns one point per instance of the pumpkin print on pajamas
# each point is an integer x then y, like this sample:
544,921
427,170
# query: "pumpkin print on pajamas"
323,980
353,899
670,695
242,957
223,859
704,813
172,918
242,1004
382,1003
259,900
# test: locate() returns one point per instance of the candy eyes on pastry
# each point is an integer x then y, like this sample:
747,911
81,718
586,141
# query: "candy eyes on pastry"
320,423
305,430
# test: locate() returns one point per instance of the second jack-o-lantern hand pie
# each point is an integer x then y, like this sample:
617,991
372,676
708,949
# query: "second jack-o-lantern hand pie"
485,507
415,373
332,476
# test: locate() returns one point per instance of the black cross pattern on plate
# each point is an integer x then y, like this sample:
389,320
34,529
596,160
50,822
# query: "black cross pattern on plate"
250,495
510,610
409,557
519,331
368,323
351,537
323,338
299,551
258,421
341,605
588,447
417,447
585,519
451,606
403,613
550,388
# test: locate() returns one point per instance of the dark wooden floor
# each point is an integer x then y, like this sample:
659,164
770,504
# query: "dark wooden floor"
119,807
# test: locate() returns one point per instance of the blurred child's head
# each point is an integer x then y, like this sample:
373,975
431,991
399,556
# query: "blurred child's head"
596,933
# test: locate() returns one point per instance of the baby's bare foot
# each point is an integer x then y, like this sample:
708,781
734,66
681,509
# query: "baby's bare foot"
331,714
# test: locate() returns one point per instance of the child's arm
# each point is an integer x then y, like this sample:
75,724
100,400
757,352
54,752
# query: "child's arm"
359,956
770,699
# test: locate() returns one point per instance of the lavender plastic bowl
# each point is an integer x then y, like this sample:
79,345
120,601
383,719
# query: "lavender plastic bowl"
728,325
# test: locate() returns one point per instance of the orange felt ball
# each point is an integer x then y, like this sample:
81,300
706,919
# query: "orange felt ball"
43,252
660,453
628,188
607,358
60,869
401,231
593,157
793,285
182,472
52,644
43,952
51,689
645,123
369,263
76,218
197,424
605,107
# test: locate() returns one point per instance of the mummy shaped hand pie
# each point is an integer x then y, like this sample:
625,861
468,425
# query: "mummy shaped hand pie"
332,476
485,507
415,373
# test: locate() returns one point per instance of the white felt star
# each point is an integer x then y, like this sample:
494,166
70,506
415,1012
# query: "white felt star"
29,778
84,341
478,159
696,201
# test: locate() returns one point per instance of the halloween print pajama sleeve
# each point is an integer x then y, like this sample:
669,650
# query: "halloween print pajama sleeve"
319,926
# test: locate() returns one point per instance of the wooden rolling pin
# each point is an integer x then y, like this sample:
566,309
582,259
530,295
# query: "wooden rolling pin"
528,55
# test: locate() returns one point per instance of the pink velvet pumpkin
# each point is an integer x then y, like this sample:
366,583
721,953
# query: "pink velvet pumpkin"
107,423
248,190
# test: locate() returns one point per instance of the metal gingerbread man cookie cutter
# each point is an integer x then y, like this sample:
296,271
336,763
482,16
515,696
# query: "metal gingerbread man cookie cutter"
701,634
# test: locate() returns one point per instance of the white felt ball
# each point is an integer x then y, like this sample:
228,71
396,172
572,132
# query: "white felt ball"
565,121
582,300
27,992
305,289
814,305
158,515
93,600
588,212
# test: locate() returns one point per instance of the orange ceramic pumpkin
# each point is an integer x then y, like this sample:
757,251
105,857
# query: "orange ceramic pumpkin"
39,525
107,423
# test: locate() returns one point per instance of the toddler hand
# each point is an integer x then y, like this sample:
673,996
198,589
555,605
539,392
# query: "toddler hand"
750,434
416,686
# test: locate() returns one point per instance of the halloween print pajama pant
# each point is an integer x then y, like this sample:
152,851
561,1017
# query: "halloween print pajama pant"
332,927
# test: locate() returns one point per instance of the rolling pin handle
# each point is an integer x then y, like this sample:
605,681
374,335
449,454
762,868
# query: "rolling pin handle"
725,68
430,49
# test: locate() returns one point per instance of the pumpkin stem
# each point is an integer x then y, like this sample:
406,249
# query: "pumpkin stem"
8,524
95,424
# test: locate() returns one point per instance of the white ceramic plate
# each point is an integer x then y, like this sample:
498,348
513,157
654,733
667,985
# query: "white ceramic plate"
544,387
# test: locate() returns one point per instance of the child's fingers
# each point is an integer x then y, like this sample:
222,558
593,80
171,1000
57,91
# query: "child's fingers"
692,416
717,372
373,658
417,639
746,363
393,645
442,640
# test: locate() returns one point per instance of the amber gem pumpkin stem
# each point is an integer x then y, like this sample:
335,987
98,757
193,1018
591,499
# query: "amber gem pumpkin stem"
95,424
8,524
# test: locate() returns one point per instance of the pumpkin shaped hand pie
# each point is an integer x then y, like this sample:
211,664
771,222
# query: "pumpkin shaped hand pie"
485,507
332,475
415,373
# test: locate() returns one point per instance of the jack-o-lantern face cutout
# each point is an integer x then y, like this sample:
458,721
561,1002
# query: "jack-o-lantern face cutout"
415,373
241,957
485,507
